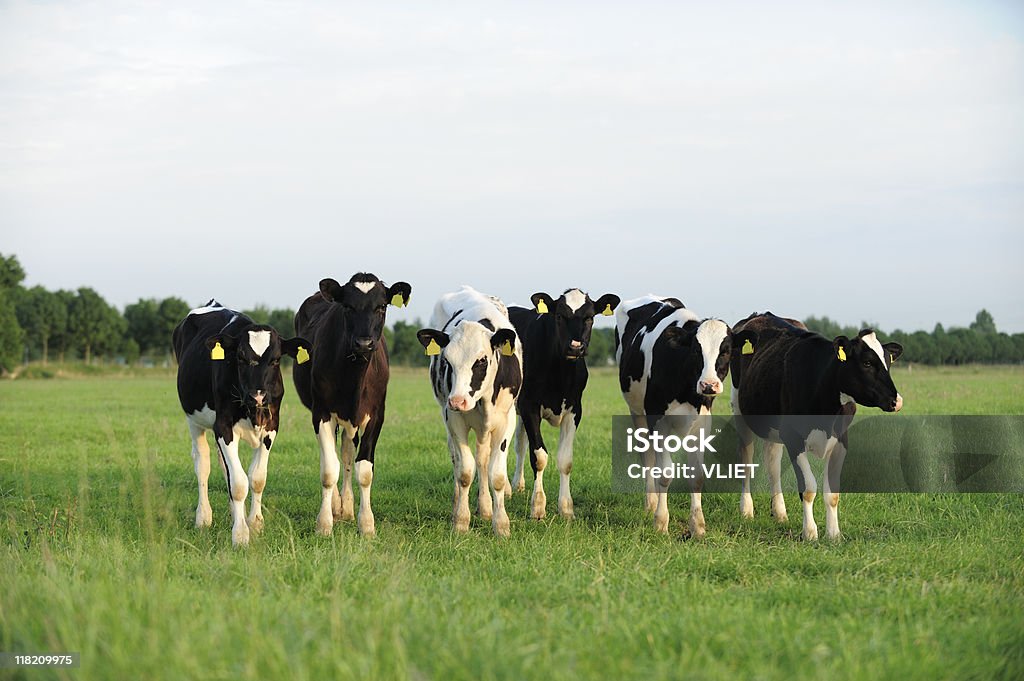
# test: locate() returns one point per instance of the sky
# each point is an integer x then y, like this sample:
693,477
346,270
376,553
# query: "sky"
863,161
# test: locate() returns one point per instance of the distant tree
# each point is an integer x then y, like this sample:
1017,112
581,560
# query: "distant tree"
983,322
94,324
61,338
43,315
282,319
12,336
171,310
404,346
601,351
145,325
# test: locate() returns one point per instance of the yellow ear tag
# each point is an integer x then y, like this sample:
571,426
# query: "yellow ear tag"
217,352
542,307
433,348
506,349
891,360
397,300
842,355
748,348
301,357
608,310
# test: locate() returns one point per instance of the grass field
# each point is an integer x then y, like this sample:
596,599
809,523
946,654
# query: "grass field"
99,556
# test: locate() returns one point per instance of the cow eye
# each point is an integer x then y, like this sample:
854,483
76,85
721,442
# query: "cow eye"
867,364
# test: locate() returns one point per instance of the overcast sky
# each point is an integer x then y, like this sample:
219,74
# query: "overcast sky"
859,160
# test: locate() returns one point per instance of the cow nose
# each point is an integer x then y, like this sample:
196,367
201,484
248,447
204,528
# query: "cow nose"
897,403
458,403
710,387
258,398
364,344
575,345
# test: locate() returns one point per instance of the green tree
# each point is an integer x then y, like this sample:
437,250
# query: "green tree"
95,325
144,324
42,314
983,322
12,336
282,319
62,336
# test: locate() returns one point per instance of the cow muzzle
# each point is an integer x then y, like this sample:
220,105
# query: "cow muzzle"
709,386
363,346
897,404
458,403
576,350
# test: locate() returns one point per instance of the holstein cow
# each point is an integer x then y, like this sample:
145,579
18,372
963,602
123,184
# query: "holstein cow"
345,385
476,371
555,335
229,381
671,363
798,388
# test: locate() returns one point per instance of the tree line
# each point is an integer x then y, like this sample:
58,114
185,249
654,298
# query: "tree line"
37,324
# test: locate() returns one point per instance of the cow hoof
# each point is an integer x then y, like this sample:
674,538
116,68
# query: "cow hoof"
661,523
347,514
502,528
565,509
240,536
324,525
519,485
834,536
746,508
204,517
781,518
538,505
507,492
811,533
697,530
256,523
367,527
650,503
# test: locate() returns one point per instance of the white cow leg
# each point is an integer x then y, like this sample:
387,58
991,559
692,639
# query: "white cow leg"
539,500
257,481
463,468
773,462
833,464
329,469
201,464
697,525
499,483
483,464
364,475
238,489
650,484
661,509
746,458
519,478
807,498
565,440
345,502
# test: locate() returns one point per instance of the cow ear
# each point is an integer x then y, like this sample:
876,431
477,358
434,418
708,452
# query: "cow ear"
893,350
220,344
298,348
504,340
606,304
330,289
841,344
542,302
746,341
432,340
677,337
398,294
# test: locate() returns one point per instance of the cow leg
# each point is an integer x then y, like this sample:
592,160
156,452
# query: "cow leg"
697,525
463,469
364,471
538,461
258,480
329,469
519,480
661,495
830,482
201,463
647,458
483,490
565,439
499,479
746,447
773,462
238,489
344,503
807,487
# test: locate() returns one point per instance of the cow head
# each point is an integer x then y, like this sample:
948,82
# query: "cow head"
705,348
363,302
470,356
255,353
864,370
573,314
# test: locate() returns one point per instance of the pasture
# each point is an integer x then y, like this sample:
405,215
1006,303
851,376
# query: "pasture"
100,557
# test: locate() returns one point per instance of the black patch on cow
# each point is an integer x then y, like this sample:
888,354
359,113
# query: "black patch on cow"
509,376
476,379
451,319
487,324
504,445
267,442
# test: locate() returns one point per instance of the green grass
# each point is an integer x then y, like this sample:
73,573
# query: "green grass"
99,556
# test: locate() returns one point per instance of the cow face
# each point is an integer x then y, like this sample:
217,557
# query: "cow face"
255,353
707,348
864,370
363,302
573,313
468,360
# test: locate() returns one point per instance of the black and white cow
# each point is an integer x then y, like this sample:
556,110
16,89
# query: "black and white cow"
555,335
476,372
800,389
345,385
671,363
229,381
